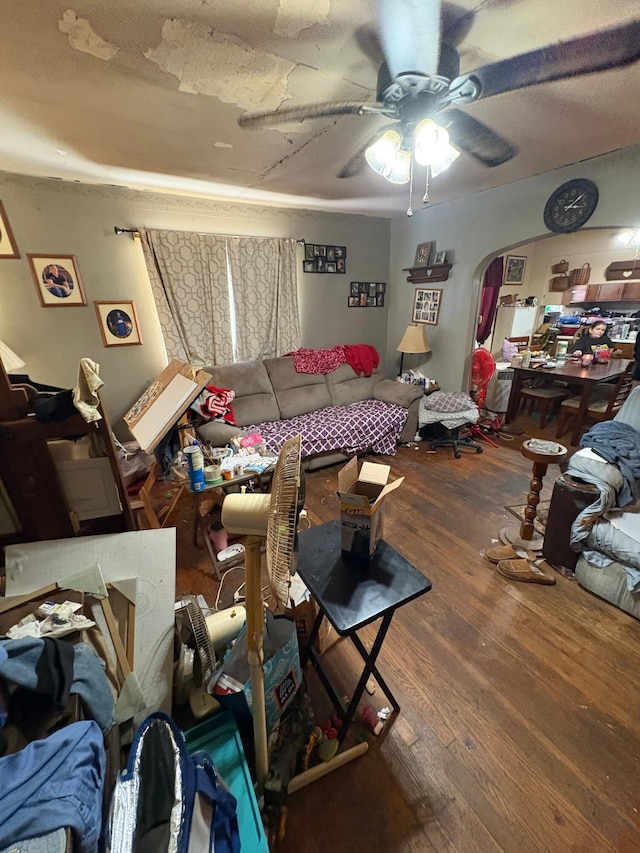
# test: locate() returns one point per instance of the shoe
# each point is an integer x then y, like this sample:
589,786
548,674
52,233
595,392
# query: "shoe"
523,570
505,552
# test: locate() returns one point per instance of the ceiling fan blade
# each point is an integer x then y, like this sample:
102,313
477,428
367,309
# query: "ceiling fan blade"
410,35
595,52
472,136
293,114
356,163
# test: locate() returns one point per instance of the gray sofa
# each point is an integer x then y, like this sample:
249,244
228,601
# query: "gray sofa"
273,391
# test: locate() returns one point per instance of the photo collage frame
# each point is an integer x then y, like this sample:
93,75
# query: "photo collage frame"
426,305
331,260
366,294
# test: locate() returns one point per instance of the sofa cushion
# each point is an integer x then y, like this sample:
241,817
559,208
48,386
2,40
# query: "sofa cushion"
255,399
296,393
217,433
346,388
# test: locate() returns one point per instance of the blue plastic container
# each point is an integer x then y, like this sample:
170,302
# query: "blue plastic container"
219,738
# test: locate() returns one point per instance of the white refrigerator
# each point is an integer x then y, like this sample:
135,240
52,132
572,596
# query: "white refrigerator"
513,322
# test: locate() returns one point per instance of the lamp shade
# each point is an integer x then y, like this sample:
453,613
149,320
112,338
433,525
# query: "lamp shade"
10,360
414,340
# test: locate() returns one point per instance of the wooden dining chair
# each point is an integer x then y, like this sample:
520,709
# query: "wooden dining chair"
606,401
545,399
521,341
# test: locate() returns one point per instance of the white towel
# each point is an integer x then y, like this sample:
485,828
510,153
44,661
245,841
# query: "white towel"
85,394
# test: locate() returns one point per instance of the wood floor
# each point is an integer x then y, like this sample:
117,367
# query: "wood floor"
520,721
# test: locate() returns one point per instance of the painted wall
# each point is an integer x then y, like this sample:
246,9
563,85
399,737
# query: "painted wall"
472,230
49,216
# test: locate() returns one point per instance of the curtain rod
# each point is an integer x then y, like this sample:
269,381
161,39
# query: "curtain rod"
119,231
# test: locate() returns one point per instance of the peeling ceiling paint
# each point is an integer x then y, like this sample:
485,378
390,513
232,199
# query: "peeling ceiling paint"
82,37
293,16
211,63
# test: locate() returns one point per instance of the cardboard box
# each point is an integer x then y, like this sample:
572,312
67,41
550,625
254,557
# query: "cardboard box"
362,496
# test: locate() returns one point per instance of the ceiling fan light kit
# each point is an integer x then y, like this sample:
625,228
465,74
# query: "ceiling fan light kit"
420,79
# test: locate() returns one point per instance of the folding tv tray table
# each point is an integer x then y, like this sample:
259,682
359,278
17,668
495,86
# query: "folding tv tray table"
351,595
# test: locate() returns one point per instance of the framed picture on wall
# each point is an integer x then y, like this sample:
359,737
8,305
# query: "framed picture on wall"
118,323
57,279
423,251
514,269
8,248
426,305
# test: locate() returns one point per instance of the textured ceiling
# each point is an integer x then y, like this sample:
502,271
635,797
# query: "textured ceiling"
147,93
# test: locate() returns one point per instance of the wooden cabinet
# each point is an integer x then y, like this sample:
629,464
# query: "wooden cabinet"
631,291
579,294
611,291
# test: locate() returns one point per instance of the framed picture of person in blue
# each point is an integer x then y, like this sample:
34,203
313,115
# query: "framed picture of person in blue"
57,279
118,323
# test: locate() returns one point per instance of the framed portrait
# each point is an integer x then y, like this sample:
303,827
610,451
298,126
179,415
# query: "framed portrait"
118,323
309,266
355,288
308,251
426,305
340,265
423,253
331,253
57,279
340,252
331,266
8,248
514,269
440,258
353,302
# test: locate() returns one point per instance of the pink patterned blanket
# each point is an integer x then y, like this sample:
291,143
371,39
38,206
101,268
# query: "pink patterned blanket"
367,425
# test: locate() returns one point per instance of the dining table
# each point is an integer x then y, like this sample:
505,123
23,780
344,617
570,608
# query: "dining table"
572,372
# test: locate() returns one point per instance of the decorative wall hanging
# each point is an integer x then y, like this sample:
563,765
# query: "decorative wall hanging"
57,279
8,248
367,294
324,259
426,306
514,269
118,323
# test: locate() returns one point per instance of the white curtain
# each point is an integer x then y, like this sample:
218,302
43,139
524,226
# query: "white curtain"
223,299
265,296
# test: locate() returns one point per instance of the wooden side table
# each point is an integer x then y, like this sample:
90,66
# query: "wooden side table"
542,454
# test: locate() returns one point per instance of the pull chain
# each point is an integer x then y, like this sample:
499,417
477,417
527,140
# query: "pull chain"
425,197
410,208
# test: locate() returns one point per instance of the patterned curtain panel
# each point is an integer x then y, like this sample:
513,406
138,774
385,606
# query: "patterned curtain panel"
223,299
265,296
188,274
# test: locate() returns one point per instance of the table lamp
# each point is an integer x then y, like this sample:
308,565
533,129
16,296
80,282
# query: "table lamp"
10,360
414,340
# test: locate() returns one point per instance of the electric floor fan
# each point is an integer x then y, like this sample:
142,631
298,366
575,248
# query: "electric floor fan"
273,518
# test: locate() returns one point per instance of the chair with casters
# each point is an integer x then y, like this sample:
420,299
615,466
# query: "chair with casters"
441,417
546,399
606,401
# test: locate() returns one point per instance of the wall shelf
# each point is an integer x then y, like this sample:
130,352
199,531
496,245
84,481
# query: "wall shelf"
428,274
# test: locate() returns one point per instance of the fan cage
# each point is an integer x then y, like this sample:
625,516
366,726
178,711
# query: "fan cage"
281,526
204,647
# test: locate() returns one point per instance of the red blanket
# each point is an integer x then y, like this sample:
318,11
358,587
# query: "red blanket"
363,358
318,360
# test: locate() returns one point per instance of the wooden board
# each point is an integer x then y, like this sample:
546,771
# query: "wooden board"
168,397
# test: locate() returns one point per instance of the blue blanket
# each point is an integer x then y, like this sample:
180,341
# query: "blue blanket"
619,444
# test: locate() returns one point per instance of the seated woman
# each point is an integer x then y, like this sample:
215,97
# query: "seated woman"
593,339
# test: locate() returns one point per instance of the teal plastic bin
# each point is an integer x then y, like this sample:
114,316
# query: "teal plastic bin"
219,738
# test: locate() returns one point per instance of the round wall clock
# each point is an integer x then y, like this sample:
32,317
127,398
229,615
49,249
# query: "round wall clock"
571,205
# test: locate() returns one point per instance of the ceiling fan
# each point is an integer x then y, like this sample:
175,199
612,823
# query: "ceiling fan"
419,83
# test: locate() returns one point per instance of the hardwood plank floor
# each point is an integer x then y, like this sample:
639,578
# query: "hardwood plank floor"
519,728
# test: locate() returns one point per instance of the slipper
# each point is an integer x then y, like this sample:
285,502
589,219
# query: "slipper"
523,570
504,552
